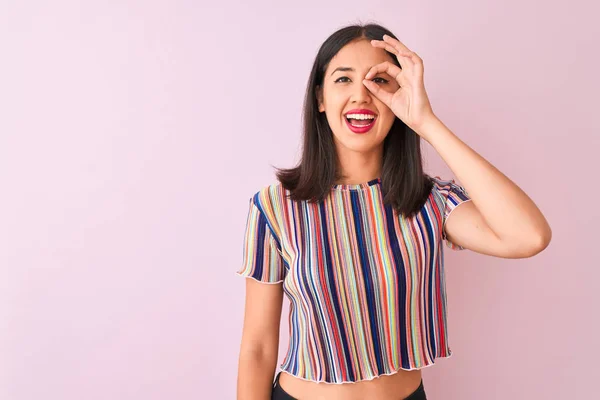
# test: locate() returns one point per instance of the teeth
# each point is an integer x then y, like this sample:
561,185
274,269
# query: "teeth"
360,116
360,126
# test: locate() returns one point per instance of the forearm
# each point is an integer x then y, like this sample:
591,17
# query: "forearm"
508,211
255,375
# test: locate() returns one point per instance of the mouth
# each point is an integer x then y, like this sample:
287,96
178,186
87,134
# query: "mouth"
360,122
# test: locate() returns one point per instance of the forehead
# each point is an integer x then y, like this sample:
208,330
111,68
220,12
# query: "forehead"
360,55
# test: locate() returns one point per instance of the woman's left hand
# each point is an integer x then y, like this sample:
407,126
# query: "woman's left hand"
410,102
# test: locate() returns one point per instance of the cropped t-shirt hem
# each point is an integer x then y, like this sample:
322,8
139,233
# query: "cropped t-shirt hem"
450,244
367,379
451,211
257,280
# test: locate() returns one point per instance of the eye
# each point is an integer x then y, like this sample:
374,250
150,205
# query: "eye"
339,80
383,80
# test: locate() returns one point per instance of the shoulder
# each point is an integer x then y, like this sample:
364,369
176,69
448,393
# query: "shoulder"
268,195
444,186
271,201
440,184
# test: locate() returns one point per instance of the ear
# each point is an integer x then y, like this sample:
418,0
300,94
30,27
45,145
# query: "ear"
320,99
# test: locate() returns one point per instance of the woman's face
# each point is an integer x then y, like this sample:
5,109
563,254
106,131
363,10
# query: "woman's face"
343,91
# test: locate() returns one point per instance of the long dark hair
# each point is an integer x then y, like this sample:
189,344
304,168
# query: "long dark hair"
404,184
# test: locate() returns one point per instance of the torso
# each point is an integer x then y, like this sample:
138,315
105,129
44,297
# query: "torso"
396,386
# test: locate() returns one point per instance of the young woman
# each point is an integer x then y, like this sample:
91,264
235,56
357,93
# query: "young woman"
354,234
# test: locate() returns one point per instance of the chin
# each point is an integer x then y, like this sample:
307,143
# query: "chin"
360,144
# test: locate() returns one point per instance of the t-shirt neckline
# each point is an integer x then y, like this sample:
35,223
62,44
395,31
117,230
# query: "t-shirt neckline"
357,186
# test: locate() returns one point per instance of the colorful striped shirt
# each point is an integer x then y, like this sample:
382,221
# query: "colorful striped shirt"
366,285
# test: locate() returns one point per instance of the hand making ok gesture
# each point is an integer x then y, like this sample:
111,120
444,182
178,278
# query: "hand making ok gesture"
410,102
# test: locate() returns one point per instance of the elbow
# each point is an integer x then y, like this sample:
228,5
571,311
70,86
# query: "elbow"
545,238
542,240
528,246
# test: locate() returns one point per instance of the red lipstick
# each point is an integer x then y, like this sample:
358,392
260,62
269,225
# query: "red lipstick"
362,128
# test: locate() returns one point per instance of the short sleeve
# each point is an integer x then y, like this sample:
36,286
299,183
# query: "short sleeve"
453,196
262,259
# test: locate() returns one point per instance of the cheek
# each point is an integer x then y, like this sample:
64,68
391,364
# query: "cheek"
336,100
387,119
384,111
334,95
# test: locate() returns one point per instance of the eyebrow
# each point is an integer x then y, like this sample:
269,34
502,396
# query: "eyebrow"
342,69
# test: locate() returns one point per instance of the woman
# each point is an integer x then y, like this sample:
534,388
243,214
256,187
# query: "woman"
353,235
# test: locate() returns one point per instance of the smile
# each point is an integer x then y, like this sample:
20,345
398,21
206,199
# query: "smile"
361,124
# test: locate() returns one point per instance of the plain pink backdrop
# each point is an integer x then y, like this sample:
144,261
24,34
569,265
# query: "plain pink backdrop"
132,134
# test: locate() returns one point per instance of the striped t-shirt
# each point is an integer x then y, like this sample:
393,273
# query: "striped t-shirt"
366,286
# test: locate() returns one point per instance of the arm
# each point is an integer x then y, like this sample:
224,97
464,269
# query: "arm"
501,220
260,340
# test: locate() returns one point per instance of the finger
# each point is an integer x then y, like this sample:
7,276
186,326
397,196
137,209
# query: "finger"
389,68
384,96
414,57
396,43
390,48
404,58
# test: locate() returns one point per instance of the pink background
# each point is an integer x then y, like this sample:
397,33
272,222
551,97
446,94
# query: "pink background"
133,133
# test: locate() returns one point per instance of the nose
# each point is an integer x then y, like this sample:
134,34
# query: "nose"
360,93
